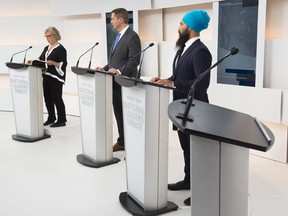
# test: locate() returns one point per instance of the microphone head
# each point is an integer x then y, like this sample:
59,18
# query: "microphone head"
151,44
234,51
96,43
30,47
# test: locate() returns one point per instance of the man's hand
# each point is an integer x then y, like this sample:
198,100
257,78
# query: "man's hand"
165,82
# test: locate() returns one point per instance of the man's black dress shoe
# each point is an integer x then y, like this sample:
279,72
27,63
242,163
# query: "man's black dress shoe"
48,122
187,201
181,185
58,124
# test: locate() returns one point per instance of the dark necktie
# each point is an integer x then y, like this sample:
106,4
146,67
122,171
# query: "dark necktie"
116,41
179,54
176,59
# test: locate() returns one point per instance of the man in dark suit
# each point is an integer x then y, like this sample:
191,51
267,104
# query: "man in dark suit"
192,59
126,45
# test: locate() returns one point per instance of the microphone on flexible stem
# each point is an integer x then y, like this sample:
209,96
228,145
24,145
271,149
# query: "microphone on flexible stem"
90,58
190,97
138,72
85,53
24,60
21,52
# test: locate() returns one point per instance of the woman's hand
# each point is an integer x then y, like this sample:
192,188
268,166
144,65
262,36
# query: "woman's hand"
50,62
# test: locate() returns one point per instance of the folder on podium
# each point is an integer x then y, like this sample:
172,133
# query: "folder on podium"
95,102
27,93
146,127
220,140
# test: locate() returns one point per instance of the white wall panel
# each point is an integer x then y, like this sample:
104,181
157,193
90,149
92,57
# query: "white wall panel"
277,19
285,108
24,8
265,104
83,28
156,4
27,29
276,67
77,7
151,25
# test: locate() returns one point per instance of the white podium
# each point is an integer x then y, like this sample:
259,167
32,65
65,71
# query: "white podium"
220,140
95,102
146,127
27,93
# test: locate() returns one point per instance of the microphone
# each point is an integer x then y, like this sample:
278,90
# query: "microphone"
21,52
138,72
24,60
190,97
85,53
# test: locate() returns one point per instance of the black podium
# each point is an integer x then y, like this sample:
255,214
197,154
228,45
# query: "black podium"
27,94
95,102
220,140
146,127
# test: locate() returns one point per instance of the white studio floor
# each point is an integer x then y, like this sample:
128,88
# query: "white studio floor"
45,179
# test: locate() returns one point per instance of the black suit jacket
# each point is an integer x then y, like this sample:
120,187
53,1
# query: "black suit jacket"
194,61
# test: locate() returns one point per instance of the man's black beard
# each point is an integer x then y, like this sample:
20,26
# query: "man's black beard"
183,38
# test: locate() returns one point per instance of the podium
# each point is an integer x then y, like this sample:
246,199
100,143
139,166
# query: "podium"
27,94
146,128
95,102
220,140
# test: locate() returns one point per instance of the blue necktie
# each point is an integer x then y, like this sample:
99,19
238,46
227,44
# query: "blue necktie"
116,41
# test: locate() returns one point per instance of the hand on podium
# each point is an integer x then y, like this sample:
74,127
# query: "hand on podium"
164,82
114,71
99,68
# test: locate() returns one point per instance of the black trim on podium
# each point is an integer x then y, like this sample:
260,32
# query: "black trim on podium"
135,209
131,81
26,139
90,163
208,122
14,65
83,71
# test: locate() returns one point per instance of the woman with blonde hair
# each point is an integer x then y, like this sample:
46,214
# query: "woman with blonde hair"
55,56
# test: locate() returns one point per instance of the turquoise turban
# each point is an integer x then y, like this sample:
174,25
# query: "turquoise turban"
196,20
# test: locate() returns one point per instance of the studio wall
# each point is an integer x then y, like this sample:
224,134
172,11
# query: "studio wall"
81,25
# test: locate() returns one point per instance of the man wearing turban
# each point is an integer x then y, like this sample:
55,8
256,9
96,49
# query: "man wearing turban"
191,60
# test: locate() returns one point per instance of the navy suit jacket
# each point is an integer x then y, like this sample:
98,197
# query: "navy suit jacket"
194,61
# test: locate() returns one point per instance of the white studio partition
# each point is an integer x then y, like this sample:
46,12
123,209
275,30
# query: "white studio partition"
27,94
146,126
95,102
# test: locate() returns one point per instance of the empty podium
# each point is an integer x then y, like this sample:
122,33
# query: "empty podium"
27,94
146,127
220,140
95,102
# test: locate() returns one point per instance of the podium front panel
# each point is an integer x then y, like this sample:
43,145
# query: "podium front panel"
219,178
26,87
95,101
133,100
146,144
